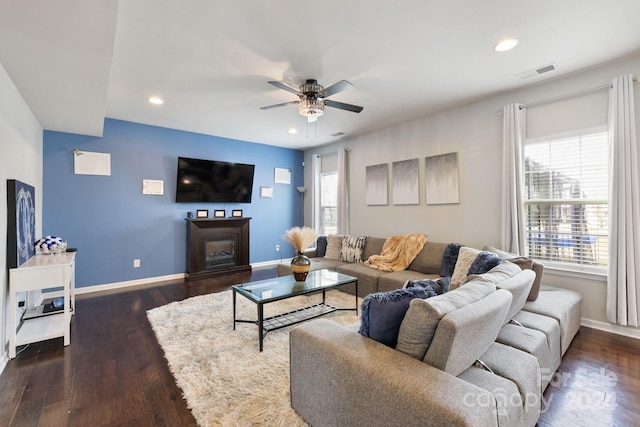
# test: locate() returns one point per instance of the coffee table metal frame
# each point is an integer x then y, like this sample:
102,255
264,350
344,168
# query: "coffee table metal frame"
262,292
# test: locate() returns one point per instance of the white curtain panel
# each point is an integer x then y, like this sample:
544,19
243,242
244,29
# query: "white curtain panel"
343,192
513,136
315,191
623,289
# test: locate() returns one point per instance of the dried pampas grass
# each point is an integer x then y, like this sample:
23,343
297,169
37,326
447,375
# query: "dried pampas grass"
300,238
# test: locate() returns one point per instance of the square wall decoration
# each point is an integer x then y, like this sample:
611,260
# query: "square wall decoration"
405,182
441,179
377,184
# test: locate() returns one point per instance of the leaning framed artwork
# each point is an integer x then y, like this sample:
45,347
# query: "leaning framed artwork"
202,213
21,222
441,179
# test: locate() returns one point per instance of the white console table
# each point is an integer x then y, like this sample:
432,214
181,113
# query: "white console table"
42,272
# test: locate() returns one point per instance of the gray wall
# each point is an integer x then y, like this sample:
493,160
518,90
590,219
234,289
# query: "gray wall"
475,132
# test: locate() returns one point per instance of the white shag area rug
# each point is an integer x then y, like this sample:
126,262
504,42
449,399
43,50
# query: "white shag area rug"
225,380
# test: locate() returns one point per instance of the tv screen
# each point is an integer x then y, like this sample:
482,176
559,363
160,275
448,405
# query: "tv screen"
213,181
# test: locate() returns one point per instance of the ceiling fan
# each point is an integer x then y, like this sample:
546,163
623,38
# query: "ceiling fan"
313,98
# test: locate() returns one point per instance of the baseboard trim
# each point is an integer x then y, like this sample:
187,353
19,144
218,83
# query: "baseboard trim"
630,332
118,285
145,281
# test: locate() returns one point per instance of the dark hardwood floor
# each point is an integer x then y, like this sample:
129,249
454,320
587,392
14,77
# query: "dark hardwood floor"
114,373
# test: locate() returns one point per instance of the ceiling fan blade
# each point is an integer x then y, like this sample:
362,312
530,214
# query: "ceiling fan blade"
343,106
285,87
335,88
268,107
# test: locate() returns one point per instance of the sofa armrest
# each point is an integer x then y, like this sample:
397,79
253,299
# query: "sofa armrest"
341,378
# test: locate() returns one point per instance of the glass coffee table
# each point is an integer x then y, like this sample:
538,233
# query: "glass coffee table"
263,292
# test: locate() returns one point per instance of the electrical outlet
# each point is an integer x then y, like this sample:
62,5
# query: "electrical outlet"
136,263
277,248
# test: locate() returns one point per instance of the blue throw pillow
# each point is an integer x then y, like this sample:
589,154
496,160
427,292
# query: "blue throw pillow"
484,262
449,259
321,246
382,313
439,286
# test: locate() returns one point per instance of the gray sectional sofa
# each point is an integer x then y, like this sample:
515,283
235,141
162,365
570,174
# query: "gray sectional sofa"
478,355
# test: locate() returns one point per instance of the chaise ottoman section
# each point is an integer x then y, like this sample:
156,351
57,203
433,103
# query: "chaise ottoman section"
563,305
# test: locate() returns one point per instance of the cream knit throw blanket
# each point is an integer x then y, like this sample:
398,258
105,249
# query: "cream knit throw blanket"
397,252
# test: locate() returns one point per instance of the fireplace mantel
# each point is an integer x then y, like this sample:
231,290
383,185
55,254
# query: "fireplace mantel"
217,246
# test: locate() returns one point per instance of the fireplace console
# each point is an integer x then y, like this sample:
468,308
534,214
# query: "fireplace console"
217,246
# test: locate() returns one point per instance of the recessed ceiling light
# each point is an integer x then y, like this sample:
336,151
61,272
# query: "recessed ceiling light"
293,130
156,100
506,45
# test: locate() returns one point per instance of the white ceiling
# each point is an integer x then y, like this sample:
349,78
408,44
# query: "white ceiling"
76,62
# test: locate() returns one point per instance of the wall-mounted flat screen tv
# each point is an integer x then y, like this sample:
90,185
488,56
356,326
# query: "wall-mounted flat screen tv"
212,181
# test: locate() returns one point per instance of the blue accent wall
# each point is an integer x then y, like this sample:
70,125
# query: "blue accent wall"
112,223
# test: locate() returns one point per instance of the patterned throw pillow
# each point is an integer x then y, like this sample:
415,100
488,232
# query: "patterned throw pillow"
351,250
334,244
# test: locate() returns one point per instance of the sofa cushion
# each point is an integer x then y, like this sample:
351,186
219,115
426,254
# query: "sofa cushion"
429,259
465,334
334,245
525,264
508,276
421,320
563,305
373,246
513,382
351,249
367,277
397,279
472,261
382,312
321,246
530,341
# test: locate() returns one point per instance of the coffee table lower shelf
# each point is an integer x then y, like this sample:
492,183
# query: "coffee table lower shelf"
300,315
263,292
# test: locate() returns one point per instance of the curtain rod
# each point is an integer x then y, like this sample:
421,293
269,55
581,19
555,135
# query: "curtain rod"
566,96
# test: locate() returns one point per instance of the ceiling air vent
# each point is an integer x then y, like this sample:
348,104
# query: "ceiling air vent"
536,71
337,134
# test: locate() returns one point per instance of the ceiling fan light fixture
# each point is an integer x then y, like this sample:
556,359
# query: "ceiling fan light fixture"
311,107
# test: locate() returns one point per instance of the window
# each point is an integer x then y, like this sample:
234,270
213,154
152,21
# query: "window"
566,198
329,203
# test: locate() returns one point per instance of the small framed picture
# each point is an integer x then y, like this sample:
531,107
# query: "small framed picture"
236,213
219,213
202,213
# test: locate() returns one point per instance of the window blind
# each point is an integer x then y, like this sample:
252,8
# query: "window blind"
566,198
